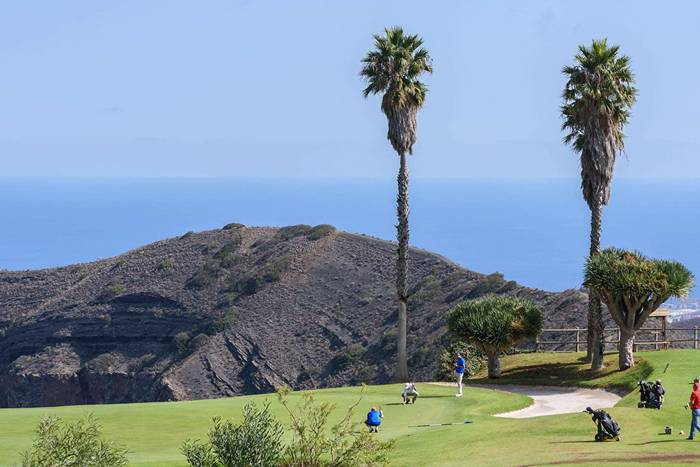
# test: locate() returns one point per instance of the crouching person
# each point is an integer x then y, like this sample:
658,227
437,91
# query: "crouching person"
410,393
374,419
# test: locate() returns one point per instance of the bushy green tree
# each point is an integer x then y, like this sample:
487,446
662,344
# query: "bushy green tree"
77,444
255,441
633,287
393,69
598,96
494,323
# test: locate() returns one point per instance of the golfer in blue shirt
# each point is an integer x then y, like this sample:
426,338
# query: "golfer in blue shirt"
459,372
374,419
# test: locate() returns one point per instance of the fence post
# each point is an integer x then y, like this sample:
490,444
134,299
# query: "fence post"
537,343
656,340
695,338
619,337
578,334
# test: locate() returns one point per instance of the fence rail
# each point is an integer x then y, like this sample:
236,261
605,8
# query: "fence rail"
659,338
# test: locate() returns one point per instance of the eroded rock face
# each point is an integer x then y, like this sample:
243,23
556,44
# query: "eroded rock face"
232,311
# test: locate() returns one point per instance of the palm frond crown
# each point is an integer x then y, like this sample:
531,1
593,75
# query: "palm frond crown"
597,99
395,66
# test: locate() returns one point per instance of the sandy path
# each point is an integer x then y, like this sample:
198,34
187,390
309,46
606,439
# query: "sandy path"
553,400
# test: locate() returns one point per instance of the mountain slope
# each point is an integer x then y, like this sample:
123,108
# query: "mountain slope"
230,311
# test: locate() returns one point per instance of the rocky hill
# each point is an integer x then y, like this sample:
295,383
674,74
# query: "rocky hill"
230,311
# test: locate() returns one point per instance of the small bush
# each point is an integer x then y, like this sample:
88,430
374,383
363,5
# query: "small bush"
287,233
111,290
420,357
315,442
182,341
198,341
345,360
246,285
476,360
320,231
103,363
165,266
226,254
226,322
232,226
365,375
256,441
204,277
271,272
187,235
388,342
74,444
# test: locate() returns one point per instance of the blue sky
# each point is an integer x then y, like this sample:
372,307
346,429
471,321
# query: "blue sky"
271,89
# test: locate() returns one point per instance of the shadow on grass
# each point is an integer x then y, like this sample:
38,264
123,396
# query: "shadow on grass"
574,442
677,440
572,373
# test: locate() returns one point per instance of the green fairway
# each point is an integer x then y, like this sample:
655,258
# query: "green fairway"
153,432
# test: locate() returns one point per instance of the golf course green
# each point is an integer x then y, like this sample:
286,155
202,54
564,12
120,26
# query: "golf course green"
154,432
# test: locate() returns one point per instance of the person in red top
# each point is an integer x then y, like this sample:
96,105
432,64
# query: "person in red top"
695,409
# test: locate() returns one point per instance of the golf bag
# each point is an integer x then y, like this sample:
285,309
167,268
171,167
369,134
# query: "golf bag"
651,395
608,428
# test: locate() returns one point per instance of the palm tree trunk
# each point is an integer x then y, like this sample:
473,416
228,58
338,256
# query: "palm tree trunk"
595,315
402,268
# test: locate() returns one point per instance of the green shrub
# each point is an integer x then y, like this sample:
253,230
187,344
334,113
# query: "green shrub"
475,359
256,441
204,277
287,233
232,226
182,341
315,442
187,235
365,375
112,289
420,357
198,341
165,266
345,360
75,444
320,231
225,322
270,272
226,254
389,338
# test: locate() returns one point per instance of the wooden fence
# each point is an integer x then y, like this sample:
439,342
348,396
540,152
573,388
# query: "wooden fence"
656,338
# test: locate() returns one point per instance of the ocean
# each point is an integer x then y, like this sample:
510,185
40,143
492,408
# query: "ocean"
532,231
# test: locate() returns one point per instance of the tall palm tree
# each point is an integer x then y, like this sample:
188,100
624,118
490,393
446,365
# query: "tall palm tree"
394,68
598,96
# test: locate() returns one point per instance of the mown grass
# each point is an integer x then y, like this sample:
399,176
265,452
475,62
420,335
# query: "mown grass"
567,369
154,432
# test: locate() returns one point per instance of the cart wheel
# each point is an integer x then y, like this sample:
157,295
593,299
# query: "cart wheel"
617,438
598,438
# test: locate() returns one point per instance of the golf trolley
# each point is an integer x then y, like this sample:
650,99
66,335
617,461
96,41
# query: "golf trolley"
651,395
608,429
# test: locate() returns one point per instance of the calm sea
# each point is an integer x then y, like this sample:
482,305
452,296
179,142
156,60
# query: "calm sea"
532,231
